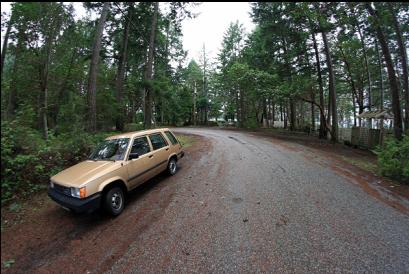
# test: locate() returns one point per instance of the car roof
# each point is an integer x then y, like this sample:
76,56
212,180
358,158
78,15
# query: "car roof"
136,133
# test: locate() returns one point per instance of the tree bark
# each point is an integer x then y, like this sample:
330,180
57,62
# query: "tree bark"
292,115
149,70
194,105
242,111
62,89
123,56
358,94
273,115
323,129
368,74
332,92
50,36
397,121
92,79
5,44
312,111
381,89
404,62
12,103
205,89
44,72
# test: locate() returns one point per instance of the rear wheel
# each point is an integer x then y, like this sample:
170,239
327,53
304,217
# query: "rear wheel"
114,201
172,166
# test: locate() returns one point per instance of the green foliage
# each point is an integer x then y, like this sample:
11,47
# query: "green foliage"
27,161
133,127
393,159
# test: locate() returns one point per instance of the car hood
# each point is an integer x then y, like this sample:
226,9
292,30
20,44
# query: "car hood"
84,172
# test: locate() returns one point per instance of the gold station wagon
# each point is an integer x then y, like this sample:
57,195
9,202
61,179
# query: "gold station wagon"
114,168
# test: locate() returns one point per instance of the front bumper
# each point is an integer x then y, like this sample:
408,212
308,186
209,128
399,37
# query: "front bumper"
88,204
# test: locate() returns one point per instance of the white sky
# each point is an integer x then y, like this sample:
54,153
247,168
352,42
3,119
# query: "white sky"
208,27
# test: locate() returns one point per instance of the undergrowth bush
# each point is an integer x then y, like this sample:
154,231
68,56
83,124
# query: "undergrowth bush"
393,159
28,161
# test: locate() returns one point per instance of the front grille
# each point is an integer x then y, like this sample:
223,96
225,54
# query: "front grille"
62,189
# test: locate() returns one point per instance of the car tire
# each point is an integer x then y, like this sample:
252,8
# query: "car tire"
172,166
114,201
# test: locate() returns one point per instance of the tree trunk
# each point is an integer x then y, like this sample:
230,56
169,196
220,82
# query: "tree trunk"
358,94
354,110
397,121
205,89
12,103
404,62
62,89
381,90
323,128
149,70
242,110
44,72
194,106
5,44
292,115
368,74
312,111
273,115
92,79
281,113
238,115
332,92
121,73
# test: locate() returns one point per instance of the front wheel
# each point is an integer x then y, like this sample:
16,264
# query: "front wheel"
114,201
172,166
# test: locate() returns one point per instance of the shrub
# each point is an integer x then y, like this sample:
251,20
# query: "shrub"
134,127
27,161
393,159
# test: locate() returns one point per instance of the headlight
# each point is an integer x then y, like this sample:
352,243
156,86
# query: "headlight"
51,184
78,192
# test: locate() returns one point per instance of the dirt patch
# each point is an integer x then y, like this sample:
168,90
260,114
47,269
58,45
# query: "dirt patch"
41,237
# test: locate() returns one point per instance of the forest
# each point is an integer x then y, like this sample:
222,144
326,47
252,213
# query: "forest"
312,66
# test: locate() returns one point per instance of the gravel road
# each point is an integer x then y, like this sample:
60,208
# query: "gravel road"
240,204
251,206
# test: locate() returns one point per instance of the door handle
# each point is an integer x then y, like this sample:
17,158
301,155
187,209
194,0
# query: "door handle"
150,156
167,149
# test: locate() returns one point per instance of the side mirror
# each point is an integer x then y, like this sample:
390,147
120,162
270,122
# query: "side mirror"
133,156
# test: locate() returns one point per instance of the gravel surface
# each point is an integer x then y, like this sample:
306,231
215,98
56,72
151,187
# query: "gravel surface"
239,203
248,205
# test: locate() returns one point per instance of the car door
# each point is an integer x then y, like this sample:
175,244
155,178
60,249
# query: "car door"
140,168
160,151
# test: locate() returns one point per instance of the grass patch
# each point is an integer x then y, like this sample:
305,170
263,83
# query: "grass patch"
186,140
365,165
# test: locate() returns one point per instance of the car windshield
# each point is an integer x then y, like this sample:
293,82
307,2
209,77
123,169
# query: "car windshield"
110,150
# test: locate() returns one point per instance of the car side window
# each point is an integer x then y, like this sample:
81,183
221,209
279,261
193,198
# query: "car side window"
157,141
171,137
141,146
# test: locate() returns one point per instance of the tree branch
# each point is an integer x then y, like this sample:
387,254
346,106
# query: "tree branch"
321,111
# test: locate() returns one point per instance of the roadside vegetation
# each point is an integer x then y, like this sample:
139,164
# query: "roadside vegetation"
394,159
28,161
66,83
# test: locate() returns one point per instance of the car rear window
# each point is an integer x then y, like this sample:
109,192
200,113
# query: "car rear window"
157,141
171,137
